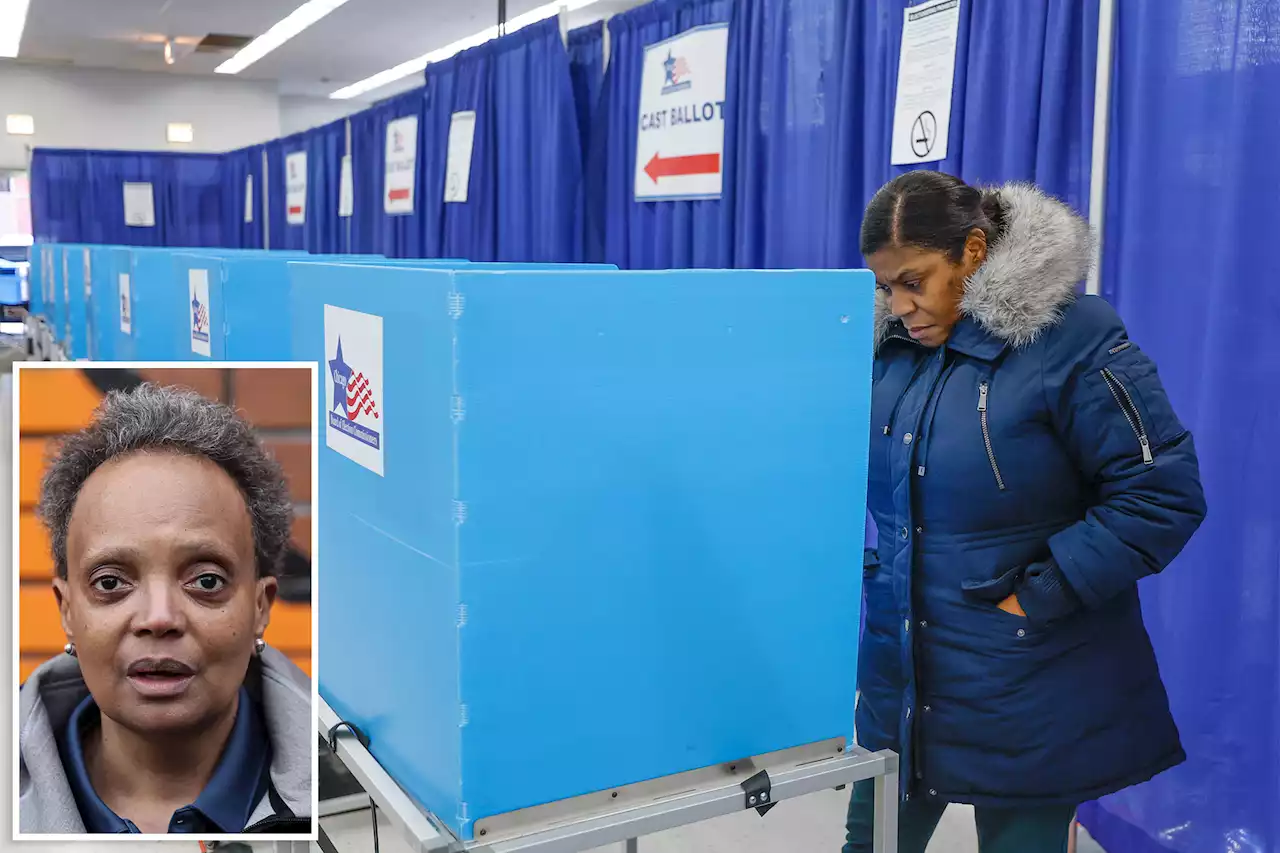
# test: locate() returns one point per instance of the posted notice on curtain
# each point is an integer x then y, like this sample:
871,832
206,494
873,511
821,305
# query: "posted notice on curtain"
926,72
402,165
295,188
248,198
346,189
462,142
680,137
139,205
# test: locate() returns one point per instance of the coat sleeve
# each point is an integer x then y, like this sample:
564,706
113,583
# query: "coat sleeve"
1109,407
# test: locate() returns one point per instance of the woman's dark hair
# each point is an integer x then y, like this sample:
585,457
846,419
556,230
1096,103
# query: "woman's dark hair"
930,210
154,418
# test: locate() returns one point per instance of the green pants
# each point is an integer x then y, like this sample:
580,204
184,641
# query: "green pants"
1038,829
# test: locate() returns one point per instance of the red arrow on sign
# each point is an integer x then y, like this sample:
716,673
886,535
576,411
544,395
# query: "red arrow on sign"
398,195
693,164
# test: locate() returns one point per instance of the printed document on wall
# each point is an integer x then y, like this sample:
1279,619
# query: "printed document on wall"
248,198
139,205
462,140
295,188
401,165
680,135
926,72
346,189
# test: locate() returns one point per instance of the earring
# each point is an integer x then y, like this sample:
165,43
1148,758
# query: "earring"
70,648
258,645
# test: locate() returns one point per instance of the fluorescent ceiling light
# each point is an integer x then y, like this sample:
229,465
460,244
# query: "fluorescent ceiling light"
417,66
297,21
13,17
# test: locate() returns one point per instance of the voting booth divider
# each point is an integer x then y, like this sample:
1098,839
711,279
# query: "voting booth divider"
601,527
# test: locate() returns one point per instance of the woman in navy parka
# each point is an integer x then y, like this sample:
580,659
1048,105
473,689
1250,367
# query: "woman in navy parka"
1026,471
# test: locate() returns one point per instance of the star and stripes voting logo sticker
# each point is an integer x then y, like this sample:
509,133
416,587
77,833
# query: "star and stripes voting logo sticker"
356,415
677,74
355,410
199,319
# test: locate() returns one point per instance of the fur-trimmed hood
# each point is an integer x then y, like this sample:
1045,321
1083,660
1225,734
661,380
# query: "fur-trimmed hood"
1031,272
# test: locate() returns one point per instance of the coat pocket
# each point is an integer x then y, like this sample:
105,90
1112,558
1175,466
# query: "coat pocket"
993,591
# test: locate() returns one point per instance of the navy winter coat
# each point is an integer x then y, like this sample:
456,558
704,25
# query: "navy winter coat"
1036,453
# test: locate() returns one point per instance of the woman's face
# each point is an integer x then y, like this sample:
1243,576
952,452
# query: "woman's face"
162,597
923,287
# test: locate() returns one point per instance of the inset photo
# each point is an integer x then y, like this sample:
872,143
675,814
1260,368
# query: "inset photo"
164,609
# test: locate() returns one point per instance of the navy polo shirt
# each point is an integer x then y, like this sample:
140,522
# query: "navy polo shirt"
239,782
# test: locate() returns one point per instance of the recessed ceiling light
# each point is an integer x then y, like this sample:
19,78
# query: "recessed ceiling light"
20,125
13,18
181,132
297,21
416,66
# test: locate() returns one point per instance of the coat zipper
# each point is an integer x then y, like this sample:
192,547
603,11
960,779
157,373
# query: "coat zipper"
1130,413
986,434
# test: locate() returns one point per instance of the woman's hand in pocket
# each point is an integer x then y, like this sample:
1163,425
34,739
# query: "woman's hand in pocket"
1011,605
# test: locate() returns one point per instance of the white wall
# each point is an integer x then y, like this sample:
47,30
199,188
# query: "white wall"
298,113
83,108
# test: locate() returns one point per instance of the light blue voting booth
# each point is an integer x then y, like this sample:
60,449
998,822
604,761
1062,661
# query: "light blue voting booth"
111,305
248,300
75,332
586,529
38,279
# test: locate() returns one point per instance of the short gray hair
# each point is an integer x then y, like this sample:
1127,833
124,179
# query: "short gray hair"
164,419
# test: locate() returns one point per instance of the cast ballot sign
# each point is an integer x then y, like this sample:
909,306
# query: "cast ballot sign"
680,137
402,164
295,188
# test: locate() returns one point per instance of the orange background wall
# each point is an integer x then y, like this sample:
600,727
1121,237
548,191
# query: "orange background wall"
53,402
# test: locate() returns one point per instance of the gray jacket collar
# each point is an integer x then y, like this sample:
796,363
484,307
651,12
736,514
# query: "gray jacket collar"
45,801
1030,275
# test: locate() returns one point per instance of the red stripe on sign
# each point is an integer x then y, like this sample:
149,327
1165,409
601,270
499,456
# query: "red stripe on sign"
295,210
398,195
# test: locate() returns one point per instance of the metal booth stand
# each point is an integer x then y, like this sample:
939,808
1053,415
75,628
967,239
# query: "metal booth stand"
625,815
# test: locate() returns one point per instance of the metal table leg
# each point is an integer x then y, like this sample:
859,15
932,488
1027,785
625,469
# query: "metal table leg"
633,845
886,811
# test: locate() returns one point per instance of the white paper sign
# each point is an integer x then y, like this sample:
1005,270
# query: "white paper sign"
139,205
355,422
126,305
926,71
462,141
248,198
198,287
88,275
680,137
295,188
401,165
346,189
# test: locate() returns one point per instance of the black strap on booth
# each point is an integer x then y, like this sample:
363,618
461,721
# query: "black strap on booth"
353,728
759,793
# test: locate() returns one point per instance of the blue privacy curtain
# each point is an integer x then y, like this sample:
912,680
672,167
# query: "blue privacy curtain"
656,235
1192,219
106,172
326,231
537,147
58,205
281,234
236,167
1021,110
467,229
586,72
374,231
811,86
193,199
